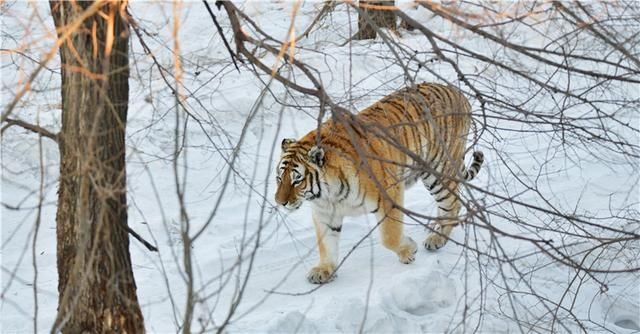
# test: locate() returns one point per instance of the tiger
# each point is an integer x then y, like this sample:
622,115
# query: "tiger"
359,164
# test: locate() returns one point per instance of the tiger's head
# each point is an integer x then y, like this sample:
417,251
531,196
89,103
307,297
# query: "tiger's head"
299,173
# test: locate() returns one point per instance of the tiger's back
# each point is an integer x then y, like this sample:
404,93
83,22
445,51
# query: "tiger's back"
408,129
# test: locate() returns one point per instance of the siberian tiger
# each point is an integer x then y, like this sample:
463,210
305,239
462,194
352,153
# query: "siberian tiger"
362,164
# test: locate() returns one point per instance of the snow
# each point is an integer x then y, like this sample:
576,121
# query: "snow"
456,289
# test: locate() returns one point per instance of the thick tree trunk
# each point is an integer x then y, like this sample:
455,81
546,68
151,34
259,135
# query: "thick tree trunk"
97,291
382,18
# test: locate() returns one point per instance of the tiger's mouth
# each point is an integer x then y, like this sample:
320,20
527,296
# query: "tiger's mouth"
293,206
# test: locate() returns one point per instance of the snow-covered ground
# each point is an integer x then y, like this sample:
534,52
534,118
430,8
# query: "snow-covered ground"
252,257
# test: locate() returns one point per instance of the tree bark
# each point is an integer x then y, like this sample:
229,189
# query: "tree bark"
97,291
382,18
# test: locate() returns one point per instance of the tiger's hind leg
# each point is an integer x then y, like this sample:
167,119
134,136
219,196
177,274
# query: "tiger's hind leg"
392,234
446,197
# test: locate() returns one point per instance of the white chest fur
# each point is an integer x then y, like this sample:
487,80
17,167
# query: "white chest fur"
344,198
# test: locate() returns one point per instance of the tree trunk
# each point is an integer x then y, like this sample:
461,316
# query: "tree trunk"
382,18
97,291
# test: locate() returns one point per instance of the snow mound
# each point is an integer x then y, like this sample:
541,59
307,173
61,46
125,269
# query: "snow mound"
349,316
417,295
292,322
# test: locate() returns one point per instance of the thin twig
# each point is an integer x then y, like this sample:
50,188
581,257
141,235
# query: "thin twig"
224,39
137,236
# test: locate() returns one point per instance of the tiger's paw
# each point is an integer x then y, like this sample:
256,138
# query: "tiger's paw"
321,274
407,253
435,241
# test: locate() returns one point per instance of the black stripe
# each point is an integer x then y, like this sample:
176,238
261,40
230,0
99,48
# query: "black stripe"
378,206
472,173
335,229
444,198
390,114
348,189
338,142
317,180
436,92
433,170
396,104
442,187
473,170
401,112
358,131
424,176
417,105
447,210
310,183
433,184
449,96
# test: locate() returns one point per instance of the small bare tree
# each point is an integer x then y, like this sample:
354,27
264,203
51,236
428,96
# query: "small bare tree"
379,13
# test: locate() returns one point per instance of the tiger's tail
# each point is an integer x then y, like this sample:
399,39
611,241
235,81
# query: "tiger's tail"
470,172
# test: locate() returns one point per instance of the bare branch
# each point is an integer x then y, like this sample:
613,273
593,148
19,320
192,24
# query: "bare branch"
31,127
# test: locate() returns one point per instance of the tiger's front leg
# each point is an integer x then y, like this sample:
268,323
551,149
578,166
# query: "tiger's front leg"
328,230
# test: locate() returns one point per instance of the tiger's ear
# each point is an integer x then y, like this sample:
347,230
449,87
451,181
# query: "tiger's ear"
316,155
286,142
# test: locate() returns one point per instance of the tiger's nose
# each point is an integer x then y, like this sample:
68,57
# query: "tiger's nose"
281,202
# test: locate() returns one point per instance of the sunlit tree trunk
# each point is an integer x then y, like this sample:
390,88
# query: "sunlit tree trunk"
97,291
382,18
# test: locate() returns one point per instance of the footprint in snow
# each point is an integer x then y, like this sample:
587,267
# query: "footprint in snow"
417,295
622,311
